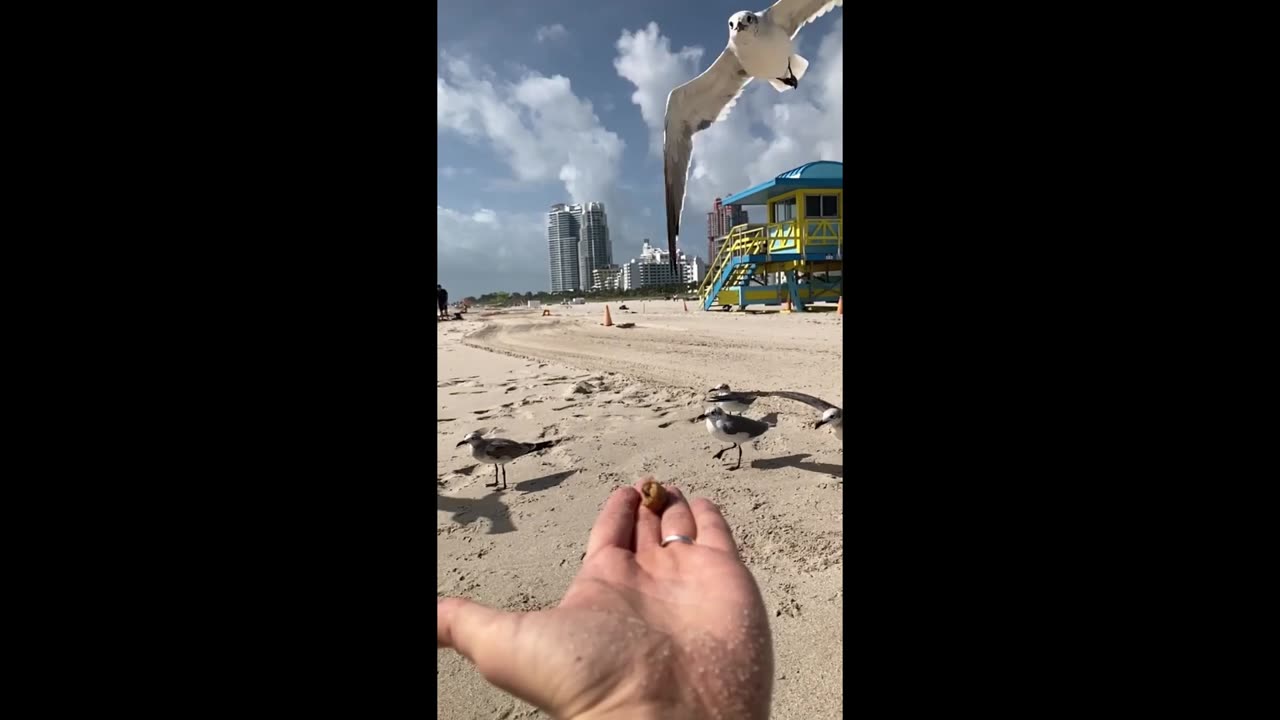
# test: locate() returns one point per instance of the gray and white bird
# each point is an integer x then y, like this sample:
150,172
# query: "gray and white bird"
835,418
498,452
734,403
734,429
760,46
831,415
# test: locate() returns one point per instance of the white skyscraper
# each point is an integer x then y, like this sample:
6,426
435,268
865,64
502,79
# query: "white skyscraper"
577,244
562,246
594,250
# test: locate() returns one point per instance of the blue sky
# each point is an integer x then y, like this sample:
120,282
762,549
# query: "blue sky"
560,101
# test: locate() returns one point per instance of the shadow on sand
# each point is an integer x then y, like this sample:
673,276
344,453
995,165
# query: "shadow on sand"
795,462
465,511
544,482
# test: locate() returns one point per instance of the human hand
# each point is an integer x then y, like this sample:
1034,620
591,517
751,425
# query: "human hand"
643,631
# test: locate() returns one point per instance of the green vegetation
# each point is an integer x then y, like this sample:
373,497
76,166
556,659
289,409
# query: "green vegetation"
504,299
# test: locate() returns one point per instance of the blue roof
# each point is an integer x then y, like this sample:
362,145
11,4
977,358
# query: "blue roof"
823,174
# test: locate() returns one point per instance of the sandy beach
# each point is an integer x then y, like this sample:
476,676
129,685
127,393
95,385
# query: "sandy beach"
620,400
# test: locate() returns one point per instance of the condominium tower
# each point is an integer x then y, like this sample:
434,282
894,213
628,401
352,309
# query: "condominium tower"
577,244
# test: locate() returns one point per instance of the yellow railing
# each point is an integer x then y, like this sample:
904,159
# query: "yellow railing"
789,238
741,240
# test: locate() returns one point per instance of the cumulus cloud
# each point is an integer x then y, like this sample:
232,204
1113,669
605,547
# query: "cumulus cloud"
555,32
767,132
484,251
537,125
645,59
544,133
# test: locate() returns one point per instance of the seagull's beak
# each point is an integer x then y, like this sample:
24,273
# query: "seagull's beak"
703,416
820,423
464,442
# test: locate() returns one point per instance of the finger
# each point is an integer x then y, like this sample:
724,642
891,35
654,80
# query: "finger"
470,628
492,640
648,524
713,531
677,519
615,526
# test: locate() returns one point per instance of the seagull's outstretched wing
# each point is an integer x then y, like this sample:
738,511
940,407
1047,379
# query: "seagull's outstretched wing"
690,108
791,15
813,402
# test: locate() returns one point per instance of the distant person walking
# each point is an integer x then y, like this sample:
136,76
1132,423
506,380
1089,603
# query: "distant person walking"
442,301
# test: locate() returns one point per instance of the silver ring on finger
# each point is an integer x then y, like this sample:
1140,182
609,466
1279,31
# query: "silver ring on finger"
676,538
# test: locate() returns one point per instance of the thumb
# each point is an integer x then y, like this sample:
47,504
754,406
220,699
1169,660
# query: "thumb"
470,628
491,640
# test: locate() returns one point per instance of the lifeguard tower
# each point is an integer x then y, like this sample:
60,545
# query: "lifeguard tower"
797,255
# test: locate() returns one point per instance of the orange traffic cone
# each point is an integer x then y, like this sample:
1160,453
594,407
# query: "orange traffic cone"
840,307
608,321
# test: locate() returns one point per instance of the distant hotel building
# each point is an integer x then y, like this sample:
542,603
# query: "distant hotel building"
653,268
577,245
606,278
719,222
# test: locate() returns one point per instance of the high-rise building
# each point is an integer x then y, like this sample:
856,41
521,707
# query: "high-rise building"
562,246
594,250
720,221
577,244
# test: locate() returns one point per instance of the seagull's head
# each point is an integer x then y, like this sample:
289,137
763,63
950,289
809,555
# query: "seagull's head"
470,438
832,415
742,20
722,387
712,413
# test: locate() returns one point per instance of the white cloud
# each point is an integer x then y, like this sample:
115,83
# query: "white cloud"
551,32
766,134
484,250
645,59
537,125
545,134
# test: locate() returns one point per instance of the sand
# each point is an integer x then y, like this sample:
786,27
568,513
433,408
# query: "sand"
518,549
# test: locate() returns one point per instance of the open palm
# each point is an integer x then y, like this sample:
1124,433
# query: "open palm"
643,630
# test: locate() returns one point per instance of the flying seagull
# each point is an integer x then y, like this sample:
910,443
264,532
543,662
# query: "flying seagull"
498,452
759,47
732,429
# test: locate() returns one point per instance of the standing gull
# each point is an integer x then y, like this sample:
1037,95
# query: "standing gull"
760,46
498,452
732,429
835,418
831,415
734,403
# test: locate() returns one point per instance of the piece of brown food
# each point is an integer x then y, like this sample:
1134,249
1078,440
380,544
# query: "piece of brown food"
655,496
